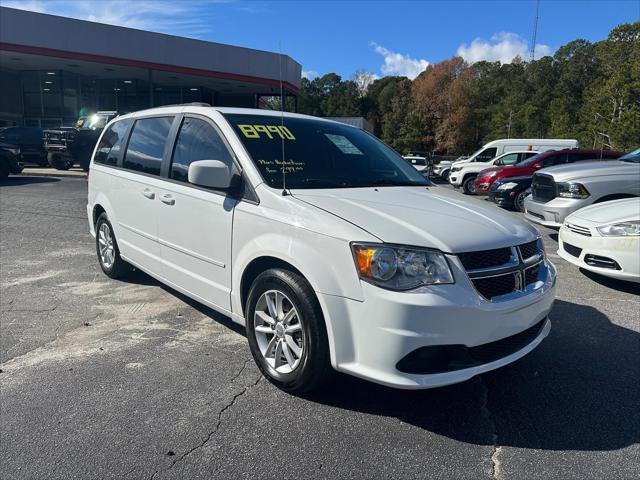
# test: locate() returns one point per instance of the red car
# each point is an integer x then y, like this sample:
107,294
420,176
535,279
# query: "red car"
529,166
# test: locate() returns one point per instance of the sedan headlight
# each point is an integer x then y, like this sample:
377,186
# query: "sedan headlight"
507,186
572,190
624,229
400,268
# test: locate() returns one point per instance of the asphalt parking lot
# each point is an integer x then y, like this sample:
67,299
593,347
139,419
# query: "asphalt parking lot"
114,379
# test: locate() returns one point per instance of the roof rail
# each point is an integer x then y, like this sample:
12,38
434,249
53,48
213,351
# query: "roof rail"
190,104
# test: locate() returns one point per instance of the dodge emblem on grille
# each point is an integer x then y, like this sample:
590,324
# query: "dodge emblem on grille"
519,281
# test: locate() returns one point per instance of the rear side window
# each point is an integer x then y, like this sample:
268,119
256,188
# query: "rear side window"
111,143
197,140
146,145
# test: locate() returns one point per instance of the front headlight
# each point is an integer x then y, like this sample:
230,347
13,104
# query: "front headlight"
400,268
572,190
507,186
624,229
456,169
490,174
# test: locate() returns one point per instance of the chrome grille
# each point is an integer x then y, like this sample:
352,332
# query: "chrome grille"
543,188
578,229
505,271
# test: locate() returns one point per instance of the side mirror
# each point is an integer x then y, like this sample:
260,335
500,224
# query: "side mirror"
210,174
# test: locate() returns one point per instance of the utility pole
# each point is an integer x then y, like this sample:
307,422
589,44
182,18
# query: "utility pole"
509,124
535,33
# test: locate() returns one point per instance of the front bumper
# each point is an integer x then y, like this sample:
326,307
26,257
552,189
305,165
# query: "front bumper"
501,198
369,338
552,213
622,250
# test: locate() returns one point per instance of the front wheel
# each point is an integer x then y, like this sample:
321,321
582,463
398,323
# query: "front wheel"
59,161
469,185
445,175
286,331
518,202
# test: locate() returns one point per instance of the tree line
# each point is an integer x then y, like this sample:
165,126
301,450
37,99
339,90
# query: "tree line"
588,91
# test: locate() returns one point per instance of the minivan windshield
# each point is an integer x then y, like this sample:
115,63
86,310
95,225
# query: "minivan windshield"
320,154
633,156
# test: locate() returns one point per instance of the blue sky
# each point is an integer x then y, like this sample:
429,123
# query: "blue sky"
383,37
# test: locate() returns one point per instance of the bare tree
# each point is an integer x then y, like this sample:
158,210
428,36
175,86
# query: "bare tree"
363,78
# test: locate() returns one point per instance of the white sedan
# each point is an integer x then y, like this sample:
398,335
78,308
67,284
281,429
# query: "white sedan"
604,238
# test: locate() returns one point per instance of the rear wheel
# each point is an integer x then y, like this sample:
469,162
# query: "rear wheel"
469,185
107,249
286,331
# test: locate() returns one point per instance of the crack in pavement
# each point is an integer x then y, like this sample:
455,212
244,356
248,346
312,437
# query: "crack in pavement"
215,430
496,466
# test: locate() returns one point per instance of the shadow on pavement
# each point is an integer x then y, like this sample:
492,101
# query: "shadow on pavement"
17,181
578,391
613,283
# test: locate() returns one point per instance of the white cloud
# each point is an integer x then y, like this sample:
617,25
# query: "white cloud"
399,64
177,18
503,47
310,74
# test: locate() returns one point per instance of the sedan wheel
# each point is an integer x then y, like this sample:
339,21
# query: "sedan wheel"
518,202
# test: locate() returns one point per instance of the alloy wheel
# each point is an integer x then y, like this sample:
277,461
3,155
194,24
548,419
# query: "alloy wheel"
279,331
106,246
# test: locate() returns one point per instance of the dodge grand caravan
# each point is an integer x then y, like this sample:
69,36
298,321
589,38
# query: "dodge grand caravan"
331,250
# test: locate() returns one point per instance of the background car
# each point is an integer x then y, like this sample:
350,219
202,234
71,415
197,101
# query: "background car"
542,160
562,190
423,164
604,238
9,162
464,175
510,192
29,141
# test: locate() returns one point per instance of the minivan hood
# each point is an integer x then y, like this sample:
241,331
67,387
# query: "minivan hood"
422,216
587,169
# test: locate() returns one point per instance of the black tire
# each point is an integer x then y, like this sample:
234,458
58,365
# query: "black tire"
445,175
518,201
59,161
469,184
118,268
5,170
314,367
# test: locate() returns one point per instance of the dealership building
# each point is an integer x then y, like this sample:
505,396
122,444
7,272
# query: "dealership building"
53,69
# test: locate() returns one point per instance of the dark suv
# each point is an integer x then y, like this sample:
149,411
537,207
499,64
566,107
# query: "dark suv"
29,142
67,146
9,160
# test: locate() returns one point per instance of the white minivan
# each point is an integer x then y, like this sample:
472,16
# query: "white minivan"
498,147
331,250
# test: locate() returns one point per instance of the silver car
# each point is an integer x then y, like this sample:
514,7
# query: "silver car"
560,191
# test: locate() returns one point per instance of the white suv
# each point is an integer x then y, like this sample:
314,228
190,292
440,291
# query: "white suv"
332,250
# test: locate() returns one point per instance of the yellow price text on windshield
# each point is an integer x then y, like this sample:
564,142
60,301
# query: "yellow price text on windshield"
266,131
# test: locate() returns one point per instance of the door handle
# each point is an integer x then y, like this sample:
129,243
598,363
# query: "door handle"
168,199
149,194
